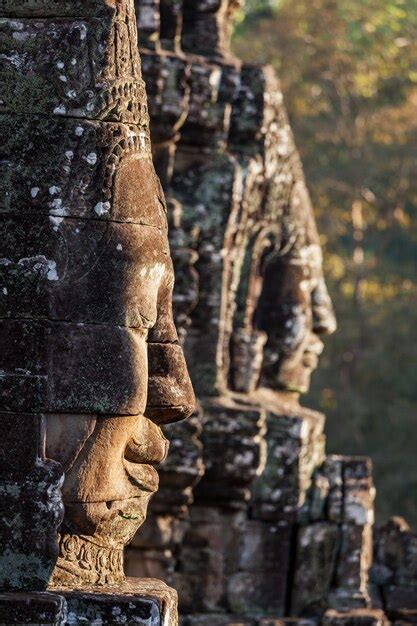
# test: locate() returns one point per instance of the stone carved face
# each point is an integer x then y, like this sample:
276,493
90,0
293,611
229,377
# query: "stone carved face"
108,459
294,309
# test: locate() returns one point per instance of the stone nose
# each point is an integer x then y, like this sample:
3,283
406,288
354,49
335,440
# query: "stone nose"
147,444
170,392
324,317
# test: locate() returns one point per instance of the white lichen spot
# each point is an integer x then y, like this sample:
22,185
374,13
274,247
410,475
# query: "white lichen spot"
14,59
60,65
72,94
60,110
61,211
56,203
119,246
53,190
16,25
79,131
83,32
69,154
102,207
52,273
91,158
55,221
34,191
73,61
20,36
5,291
63,78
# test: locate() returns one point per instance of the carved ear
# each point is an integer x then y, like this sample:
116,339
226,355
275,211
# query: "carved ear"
170,392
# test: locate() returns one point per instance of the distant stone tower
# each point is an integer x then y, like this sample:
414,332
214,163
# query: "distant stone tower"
277,530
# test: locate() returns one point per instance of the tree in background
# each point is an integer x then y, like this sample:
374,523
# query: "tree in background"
349,73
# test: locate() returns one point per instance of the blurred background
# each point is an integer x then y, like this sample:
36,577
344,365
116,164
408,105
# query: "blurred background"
349,74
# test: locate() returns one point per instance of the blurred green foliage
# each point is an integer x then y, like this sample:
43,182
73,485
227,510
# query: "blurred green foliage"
349,74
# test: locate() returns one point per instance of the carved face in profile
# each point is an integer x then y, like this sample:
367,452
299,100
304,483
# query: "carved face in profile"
294,308
108,459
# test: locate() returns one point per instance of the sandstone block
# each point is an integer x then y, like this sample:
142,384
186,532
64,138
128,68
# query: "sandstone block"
21,445
72,368
358,617
314,567
72,67
32,608
78,168
83,271
31,513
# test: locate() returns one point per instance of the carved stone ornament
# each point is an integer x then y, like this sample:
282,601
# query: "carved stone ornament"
90,353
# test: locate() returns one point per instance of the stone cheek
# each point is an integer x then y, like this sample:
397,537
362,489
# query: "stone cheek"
72,368
82,271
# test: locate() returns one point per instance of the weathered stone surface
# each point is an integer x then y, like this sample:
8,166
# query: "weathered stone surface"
43,259
399,598
32,608
355,617
352,572
78,68
150,563
58,8
20,456
295,443
260,585
168,91
143,602
86,319
148,20
45,368
287,621
256,593
78,168
210,554
395,559
217,620
31,513
314,567
205,29
230,469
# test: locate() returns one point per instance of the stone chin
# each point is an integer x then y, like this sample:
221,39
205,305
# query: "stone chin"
292,373
97,558
110,479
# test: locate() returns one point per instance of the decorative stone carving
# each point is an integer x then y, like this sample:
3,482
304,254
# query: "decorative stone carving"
90,361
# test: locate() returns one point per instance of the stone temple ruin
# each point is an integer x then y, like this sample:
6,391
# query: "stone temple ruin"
253,524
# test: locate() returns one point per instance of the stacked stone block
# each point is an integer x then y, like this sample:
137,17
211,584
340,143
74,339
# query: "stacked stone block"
276,528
